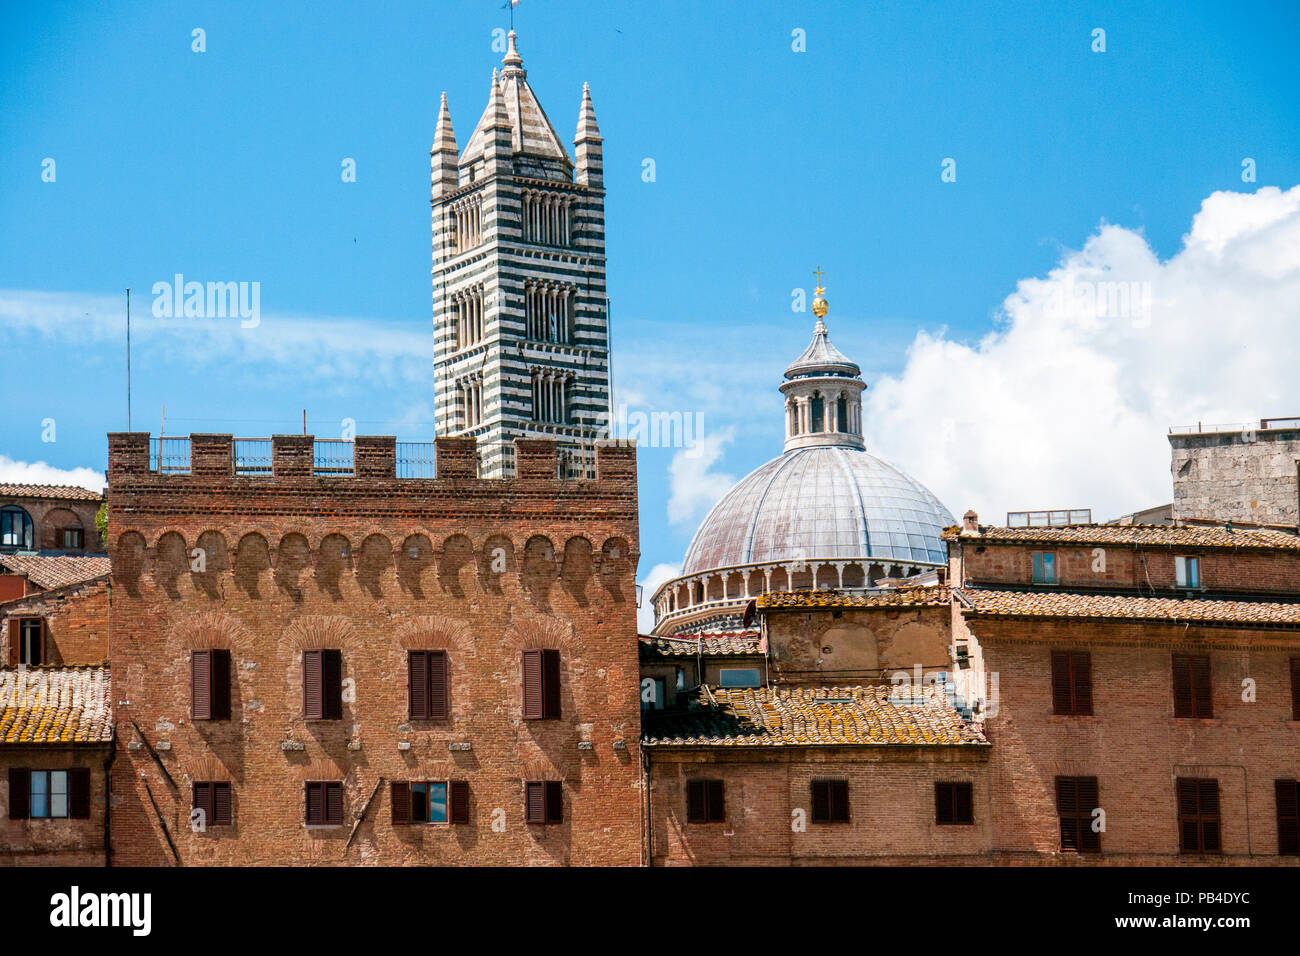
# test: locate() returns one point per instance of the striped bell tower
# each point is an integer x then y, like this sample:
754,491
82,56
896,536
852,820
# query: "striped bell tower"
521,343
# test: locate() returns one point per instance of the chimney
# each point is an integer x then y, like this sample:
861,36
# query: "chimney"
970,523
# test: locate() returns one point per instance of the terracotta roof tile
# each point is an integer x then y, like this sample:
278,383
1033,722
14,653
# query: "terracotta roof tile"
807,717
55,705
902,597
65,492
56,571
1131,607
1185,536
715,644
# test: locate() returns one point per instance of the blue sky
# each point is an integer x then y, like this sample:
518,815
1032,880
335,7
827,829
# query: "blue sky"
225,165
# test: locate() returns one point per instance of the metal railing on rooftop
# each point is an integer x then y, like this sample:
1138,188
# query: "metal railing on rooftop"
1051,518
1263,424
415,459
333,456
169,456
252,456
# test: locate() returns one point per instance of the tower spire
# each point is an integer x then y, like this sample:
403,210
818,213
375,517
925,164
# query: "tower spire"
587,148
443,156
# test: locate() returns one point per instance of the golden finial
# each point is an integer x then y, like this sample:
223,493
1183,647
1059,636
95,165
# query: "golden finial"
819,304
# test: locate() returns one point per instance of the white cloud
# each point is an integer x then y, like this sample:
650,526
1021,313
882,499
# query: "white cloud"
645,614
693,487
1068,402
39,473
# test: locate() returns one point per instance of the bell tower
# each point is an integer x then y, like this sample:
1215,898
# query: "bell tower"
521,340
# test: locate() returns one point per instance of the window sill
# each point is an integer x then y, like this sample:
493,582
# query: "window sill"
322,826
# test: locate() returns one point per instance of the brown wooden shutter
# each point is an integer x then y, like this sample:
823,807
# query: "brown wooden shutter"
315,794
334,803
1081,666
458,798
15,641
1288,817
201,685
963,809
438,685
401,800
332,684
1295,688
311,685
1067,809
1088,800
840,801
551,684
717,801
20,793
41,642
943,799
821,801
417,684
1209,813
1201,695
79,793
533,708
1061,682
1198,815
534,802
203,801
220,684
697,809
221,804
554,801
1184,705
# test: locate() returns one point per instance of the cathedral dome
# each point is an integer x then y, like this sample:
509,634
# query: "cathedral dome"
824,502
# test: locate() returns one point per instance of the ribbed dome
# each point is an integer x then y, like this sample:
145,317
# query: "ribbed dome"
823,502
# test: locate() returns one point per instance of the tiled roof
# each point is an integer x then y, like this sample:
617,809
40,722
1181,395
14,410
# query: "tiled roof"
717,644
56,570
807,717
1151,535
66,492
41,705
1131,607
902,597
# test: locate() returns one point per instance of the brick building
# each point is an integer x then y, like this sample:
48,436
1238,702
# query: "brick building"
49,518
360,668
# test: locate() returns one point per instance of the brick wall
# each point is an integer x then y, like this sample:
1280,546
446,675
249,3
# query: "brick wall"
54,842
50,515
891,807
375,567
76,622
1230,569
855,644
1133,744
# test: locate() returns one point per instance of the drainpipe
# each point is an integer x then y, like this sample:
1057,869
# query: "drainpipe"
108,802
649,820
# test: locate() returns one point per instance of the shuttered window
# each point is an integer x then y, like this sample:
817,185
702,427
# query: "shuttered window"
19,793
1072,683
1198,815
705,801
953,803
428,685
79,793
322,685
544,801
541,684
27,641
830,801
324,803
1288,817
1295,688
210,684
49,794
1076,798
1192,697
430,801
213,798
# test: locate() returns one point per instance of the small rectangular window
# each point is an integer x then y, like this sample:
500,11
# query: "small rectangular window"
653,693
1295,688
738,677
1076,799
322,684
427,685
49,794
72,538
31,641
324,803
705,801
210,684
213,798
1192,692
544,801
1072,683
1188,571
1288,817
1198,815
830,801
954,804
541,684
1044,567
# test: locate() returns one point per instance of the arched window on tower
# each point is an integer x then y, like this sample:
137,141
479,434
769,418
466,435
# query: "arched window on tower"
842,413
818,413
